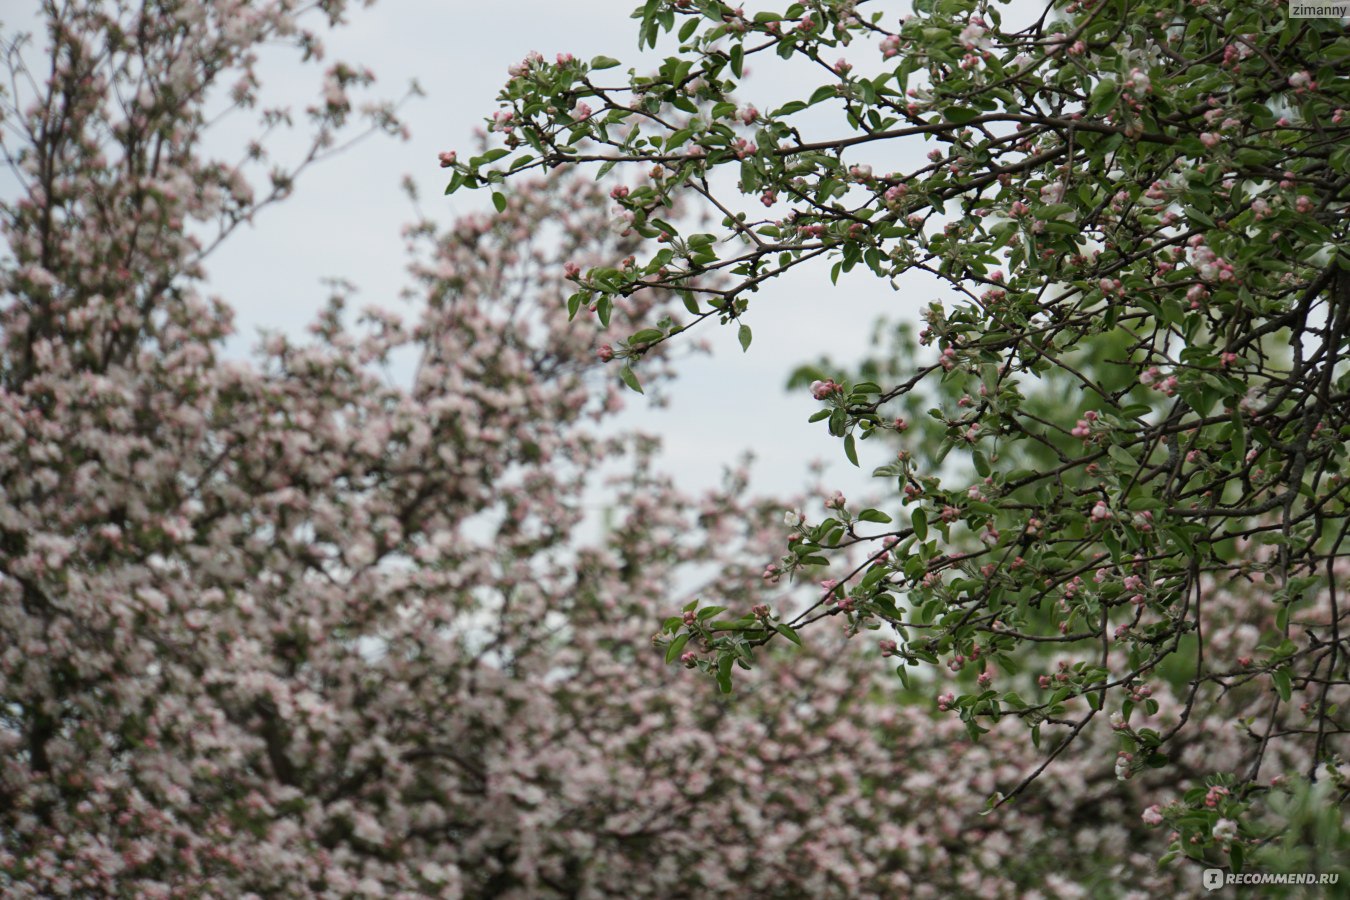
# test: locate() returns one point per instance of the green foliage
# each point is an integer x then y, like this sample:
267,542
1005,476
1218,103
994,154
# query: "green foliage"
1139,393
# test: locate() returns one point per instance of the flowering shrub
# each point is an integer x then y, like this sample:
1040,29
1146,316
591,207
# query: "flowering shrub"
1140,211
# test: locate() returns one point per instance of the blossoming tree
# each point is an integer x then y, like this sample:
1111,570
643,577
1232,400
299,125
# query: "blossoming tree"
1142,205
295,627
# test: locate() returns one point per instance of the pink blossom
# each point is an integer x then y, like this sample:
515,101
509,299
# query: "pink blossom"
820,390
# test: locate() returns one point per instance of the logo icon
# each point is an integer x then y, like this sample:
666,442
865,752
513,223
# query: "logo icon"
1213,879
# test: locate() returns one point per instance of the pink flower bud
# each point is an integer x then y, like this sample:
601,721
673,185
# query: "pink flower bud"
822,389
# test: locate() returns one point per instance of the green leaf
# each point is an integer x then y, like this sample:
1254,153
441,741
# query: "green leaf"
677,647
1122,456
646,336
960,114
630,378
1200,217
724,674
920,520
649,31
874,515
1282,683
851,449
603,62
788,632
838,419
744,336
499,201
1103,97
